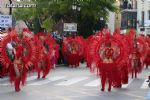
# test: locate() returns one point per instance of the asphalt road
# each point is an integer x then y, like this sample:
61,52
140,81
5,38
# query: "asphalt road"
65,83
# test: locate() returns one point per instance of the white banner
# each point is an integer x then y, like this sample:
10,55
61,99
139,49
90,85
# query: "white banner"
5,21
71,27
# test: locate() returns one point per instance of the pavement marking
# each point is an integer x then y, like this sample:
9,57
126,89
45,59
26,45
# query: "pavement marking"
126,85
145,84
134,95
55,78
47,80
31,78
63,98
39,82
4,79
72,81
93,83
6,84
148,95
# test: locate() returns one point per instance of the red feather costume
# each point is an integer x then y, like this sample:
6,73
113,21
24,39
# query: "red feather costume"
107,53
138,52
18,71
22,56
47,54
73,50
147,59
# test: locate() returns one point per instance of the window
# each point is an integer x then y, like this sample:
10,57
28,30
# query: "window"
148,14
142,18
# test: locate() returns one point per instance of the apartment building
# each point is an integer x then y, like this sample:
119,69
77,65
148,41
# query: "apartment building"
143,16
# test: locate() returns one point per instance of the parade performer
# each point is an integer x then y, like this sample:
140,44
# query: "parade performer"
48,54
147,59
55,55
108,57
45,63
73,50
73,57
18,71
22,55
138,52
107,67
122,68
22,62
135,62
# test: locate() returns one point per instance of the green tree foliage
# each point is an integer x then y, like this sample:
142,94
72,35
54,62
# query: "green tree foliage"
48,24
50,12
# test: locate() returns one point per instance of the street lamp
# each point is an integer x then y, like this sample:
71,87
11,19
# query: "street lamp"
76,8
101,23
101,18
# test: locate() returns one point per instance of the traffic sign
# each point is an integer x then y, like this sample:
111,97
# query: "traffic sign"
70,27
5,21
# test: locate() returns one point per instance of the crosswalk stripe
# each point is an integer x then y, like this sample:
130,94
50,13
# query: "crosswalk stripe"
72,81
8,83
5,84
55,78
148,95
39,82
126,85
46,81
145,85
28,78
31,78
93,83
4,79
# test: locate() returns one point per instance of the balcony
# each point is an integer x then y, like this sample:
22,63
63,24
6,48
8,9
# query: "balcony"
125,5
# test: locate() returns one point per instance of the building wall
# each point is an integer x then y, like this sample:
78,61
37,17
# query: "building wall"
143,5
114,19
111,21
3,8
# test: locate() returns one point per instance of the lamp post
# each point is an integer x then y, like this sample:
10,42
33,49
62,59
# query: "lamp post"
10,9
101,23
76,8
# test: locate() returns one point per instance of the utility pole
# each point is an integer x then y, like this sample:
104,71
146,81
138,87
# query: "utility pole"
10,8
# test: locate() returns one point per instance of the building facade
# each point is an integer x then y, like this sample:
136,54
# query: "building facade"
143,16
135,14
3,9
114,19
128,14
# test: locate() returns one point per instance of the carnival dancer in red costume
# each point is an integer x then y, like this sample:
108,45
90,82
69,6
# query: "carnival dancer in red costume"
73,57
108,57
135,61
73,50
22,57
147,59
107,67
122,68
54,55
47,55
44,64
18,71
